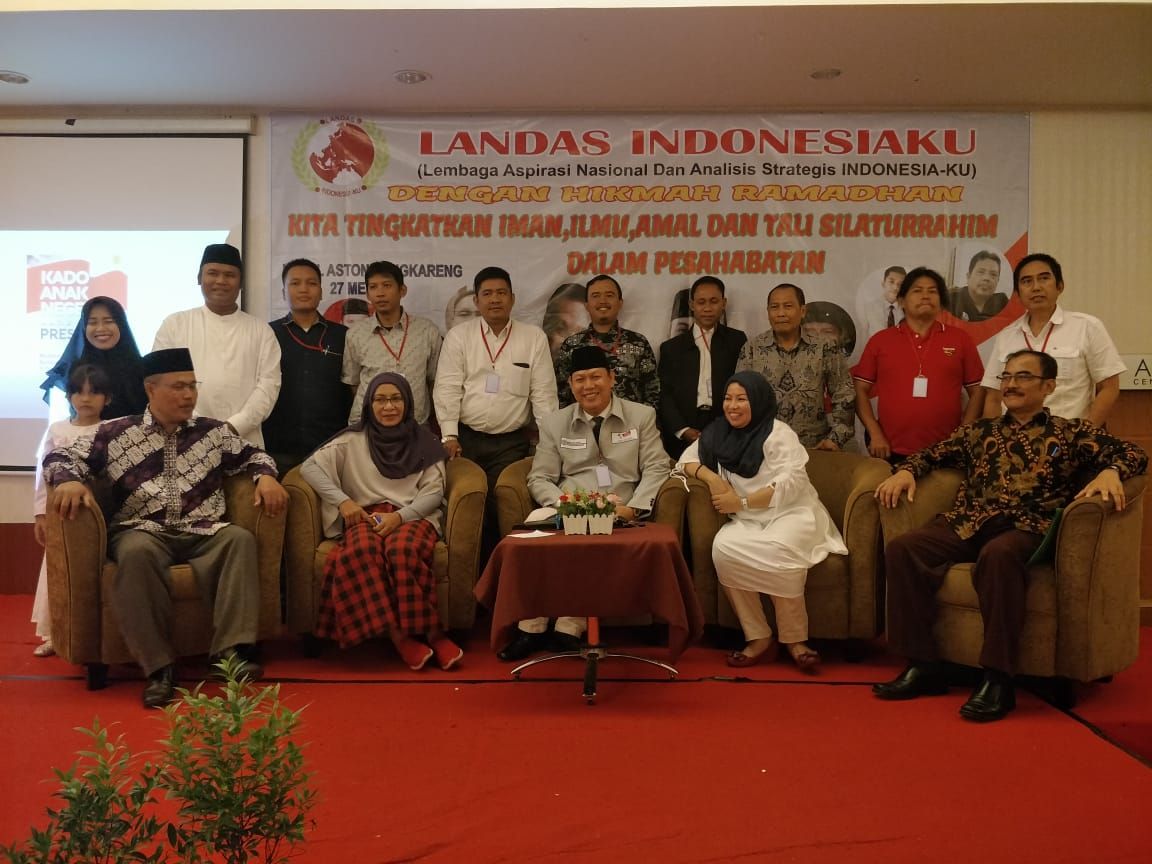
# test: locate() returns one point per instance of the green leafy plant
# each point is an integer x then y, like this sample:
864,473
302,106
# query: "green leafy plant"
580,502
228,784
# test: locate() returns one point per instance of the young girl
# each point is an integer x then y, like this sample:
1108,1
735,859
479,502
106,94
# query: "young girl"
89,391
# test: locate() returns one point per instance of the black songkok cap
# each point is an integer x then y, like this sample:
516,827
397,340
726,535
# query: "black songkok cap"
589,357
167,360
221,253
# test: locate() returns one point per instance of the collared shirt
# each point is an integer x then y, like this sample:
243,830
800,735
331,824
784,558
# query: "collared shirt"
803,379
891,362
313,405
237,362
704,381
161,481
872,317
1082,348
1024,471
494,383
411,347
631,357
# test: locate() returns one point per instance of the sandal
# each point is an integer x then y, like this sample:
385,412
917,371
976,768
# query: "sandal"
806,659
740,660
44,649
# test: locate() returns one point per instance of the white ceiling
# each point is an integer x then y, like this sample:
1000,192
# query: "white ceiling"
741,58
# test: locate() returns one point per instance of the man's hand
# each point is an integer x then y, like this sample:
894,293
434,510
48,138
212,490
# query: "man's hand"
70,497
1108,485
690,435
452,448
827,444
888,493
623,511
270,495
351,513
40,531
726,502
387,522
878,444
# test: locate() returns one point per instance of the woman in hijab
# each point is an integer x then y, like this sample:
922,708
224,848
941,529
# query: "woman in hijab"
103,338
754,466
381,482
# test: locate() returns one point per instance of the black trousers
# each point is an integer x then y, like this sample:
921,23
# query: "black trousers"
916,565
493,453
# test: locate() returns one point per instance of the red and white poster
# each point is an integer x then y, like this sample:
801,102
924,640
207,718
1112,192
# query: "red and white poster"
827,202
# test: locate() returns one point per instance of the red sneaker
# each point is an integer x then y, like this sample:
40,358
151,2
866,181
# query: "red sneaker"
414,654
448,653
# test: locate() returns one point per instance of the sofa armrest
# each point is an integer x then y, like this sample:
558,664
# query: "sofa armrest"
76,551
513,501
862,536
935,494
1097,565
670,505
466,493
305,532
703,525
241,509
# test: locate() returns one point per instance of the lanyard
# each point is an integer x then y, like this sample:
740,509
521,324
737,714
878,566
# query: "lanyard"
1044,347
615,343
916,348
484,336
320,346
395,355
704,339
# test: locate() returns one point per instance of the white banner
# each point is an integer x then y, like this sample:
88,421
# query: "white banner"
826,202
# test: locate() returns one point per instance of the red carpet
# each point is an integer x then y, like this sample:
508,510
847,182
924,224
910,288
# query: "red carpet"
788,770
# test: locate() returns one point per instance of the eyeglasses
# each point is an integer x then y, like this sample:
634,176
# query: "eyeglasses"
1020,378
388,400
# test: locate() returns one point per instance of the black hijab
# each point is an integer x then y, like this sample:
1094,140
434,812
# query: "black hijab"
401,450
741,451
121,362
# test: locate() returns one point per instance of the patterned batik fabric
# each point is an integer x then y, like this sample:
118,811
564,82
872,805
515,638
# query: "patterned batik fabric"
375,585
632,359
1024,471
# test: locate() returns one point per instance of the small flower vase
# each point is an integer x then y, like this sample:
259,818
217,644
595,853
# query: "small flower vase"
575,524
600,524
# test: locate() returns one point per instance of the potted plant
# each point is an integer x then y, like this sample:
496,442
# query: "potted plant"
583,512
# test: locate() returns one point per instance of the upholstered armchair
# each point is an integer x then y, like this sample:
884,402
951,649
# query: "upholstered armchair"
844,593
514,503
1082,619
455,564
80,574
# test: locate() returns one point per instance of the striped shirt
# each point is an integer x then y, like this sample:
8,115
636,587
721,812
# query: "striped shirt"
410,347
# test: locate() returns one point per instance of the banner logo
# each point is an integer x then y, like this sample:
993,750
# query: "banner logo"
67,284
340,156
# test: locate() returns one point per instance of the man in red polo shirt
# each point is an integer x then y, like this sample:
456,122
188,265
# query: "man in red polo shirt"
917,371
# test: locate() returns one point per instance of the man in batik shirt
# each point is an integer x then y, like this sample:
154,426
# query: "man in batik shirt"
1020,469
814,390
633,361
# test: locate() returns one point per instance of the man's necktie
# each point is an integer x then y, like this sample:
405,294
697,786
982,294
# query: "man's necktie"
891,316
597,422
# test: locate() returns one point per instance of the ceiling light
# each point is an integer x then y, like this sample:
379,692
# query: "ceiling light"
7,76
411,76
825,74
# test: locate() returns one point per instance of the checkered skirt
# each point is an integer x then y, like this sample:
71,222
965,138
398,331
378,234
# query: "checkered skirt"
375,585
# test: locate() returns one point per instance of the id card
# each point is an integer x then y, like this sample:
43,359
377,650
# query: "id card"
624,437
603,476
920,387
492,383
573,444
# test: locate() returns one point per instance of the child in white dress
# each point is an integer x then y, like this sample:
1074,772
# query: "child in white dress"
89,390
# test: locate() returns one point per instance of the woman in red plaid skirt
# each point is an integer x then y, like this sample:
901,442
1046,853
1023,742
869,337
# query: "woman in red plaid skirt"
381,482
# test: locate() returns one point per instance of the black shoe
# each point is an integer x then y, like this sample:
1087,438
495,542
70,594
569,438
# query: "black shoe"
919,679
565,643
992,700
246,668
161,687
523,646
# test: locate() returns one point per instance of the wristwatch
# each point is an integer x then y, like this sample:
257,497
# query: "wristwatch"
743,503
447,438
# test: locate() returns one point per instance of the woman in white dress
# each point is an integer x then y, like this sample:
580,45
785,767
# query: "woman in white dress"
754,466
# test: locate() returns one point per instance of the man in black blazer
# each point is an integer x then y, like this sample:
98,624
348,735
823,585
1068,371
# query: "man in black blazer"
695,366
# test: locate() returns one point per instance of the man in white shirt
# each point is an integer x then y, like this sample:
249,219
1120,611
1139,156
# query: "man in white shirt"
494,377
236,355
1088,382
884,311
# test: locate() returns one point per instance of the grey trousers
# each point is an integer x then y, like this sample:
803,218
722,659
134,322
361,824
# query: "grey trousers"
224,564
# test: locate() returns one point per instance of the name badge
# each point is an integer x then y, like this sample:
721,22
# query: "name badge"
573,444
603,476
630,435
492,383
920,387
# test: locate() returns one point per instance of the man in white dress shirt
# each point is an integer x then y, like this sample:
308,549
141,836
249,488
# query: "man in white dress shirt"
494,377
236,355
883,311
1088,382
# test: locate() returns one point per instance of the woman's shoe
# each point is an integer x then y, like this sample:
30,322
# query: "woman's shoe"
414,654
806,659
44,649
447,652
740,660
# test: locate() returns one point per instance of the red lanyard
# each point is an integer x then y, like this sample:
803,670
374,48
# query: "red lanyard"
1043,347
396,356
484,336
318,347
704,339
615,343
916,347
